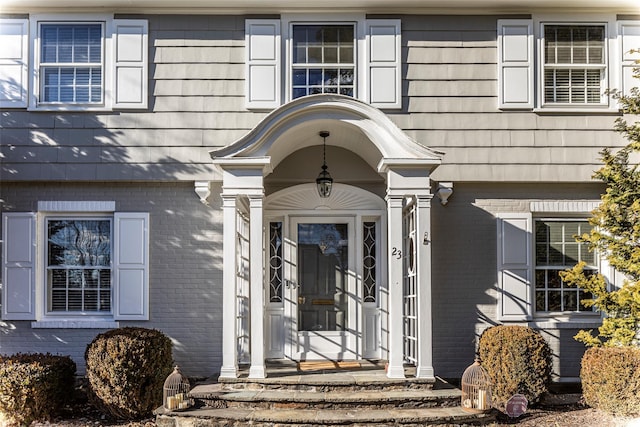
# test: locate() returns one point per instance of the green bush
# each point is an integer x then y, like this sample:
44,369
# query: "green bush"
34,387
518,360
126,369
611,379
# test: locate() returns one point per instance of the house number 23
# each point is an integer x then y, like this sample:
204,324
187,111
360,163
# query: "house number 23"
396,253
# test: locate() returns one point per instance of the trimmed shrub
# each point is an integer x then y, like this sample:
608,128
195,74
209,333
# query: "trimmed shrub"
34,386
611,379
126,369
518,360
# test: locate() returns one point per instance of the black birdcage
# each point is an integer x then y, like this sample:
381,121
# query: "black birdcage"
476,389
176,392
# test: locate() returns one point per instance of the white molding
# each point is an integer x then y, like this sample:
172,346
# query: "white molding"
74,324
563,206
76,206
305,197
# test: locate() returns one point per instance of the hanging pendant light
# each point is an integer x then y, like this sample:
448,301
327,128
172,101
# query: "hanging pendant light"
324,180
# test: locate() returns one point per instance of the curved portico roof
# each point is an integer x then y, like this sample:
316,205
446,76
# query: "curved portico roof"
353,124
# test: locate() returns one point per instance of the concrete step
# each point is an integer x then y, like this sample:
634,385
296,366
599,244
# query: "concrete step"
232,417
213,395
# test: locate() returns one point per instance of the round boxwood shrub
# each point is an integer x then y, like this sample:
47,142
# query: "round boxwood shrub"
34,387
518,360
126,369
611,379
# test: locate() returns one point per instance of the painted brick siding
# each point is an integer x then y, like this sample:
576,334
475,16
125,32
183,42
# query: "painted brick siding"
465,276
185,270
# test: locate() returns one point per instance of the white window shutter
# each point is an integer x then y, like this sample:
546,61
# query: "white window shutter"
514,266
629,36
14,47
263,75
515,64
130,58
18,266
383,63
131,260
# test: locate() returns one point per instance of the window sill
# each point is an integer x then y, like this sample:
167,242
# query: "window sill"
586,323
71,108
577,110
74,324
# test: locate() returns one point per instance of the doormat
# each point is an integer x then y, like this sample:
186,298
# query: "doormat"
318,365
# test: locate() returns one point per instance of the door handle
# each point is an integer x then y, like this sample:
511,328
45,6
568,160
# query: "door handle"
302,300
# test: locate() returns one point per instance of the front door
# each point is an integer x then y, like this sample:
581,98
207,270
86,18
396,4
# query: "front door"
322,299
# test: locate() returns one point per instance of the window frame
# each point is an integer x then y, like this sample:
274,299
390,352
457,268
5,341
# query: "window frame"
47,291
355,19
610,78
42,66
597,268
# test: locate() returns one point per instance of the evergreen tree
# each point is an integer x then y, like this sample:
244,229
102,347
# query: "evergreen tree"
616,237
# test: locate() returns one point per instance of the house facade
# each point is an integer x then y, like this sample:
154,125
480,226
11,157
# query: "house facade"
160,167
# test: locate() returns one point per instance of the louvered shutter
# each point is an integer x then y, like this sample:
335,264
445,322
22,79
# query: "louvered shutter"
514,267
263,69
14,42
131,259
18,266
130,57
383,67
515,64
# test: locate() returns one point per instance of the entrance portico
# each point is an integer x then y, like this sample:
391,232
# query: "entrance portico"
346,277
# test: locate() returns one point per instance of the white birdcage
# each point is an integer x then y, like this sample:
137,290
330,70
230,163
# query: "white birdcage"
176,392
476,389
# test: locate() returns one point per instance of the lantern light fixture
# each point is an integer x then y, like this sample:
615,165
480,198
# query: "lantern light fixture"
324,180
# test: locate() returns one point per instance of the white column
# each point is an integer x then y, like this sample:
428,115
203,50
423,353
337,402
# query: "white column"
425,335
395,368
229,367
257,369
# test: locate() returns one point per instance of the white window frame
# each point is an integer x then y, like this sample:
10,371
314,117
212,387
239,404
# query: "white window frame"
611,76
47,313
35,86
39,71
356,19
584,313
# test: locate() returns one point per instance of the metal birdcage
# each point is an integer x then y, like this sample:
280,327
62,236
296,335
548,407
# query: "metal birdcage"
176,392
476,389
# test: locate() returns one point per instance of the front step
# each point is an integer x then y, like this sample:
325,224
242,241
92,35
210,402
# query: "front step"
289,397
214,396
322,417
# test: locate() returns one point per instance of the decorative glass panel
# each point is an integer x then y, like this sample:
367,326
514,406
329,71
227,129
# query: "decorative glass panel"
79,265
369,261
275,262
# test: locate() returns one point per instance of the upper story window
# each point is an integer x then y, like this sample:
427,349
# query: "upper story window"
565,62
557,250
574,64
306,54
79,267
71,63
323,60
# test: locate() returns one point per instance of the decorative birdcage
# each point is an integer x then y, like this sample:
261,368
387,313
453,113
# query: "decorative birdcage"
176,392
476,389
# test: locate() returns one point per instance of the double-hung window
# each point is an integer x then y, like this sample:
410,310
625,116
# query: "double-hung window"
574,64
323,60
71,63
556,250
79,265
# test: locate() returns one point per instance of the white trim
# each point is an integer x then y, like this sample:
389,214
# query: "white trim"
611,77
563,206
74,324
76,206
